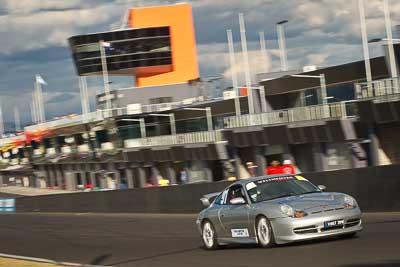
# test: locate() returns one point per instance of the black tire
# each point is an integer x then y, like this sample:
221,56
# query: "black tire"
264,232
209,236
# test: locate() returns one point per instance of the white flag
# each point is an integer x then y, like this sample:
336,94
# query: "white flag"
40,80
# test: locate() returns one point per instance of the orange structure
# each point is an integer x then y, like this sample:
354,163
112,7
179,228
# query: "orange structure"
179,19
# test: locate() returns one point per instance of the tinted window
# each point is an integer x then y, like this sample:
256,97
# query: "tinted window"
272,188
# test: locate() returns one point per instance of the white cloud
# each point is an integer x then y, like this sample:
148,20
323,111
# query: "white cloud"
29,30
29,6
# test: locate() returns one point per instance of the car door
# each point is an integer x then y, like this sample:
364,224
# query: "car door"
235,218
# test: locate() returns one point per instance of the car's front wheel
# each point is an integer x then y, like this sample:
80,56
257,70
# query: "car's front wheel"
265,235
209,236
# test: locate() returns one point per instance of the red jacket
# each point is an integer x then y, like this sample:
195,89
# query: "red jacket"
288,169
273,170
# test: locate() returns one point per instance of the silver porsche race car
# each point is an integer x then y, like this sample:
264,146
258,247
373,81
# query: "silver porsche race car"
276,209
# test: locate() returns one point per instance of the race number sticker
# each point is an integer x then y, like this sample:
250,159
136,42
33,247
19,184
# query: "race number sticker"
240,232
300,178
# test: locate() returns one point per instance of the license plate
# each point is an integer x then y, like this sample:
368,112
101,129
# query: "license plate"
334,223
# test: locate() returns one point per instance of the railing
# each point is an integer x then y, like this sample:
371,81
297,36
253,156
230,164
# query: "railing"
10,139
179,139
378,88
100,115
72,120
340,110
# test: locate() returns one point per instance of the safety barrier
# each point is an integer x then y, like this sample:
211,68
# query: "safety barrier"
375,188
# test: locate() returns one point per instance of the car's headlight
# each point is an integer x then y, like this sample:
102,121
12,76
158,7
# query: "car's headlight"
349,202
291,212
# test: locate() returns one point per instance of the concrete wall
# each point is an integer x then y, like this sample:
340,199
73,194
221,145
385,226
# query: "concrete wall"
375,188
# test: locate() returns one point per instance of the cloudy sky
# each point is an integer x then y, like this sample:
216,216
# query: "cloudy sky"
33,36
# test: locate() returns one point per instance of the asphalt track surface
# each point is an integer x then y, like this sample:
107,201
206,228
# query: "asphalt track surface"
172,240
6,195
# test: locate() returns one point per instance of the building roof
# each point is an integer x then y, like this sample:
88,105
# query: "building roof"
345,73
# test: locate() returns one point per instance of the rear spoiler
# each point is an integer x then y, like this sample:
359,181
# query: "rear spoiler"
205,200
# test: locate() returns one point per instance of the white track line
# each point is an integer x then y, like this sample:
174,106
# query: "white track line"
46,261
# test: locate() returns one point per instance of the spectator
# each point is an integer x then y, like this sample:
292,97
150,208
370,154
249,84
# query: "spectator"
274,168
89,186
287,167
183,176
123,185
251,168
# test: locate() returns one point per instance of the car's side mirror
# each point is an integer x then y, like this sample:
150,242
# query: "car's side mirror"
237,201
322,187
205,202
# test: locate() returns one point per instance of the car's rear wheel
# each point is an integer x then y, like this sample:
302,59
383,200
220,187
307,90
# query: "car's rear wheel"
265,235
209,236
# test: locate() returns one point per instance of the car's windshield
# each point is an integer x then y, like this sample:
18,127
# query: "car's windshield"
276,187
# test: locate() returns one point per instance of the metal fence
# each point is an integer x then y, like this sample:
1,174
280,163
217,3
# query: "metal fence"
179,139
73,120
100,115
340,110
378,88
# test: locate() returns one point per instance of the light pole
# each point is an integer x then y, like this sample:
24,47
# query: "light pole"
84,97
17,120
262,96
322,81
39,94
102,46
392,58
233,72
263,50
1,122
246,61
365,42
390,40
280,29
208,114
171,120
142,126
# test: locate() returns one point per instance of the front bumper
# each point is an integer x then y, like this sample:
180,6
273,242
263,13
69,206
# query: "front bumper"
288,230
